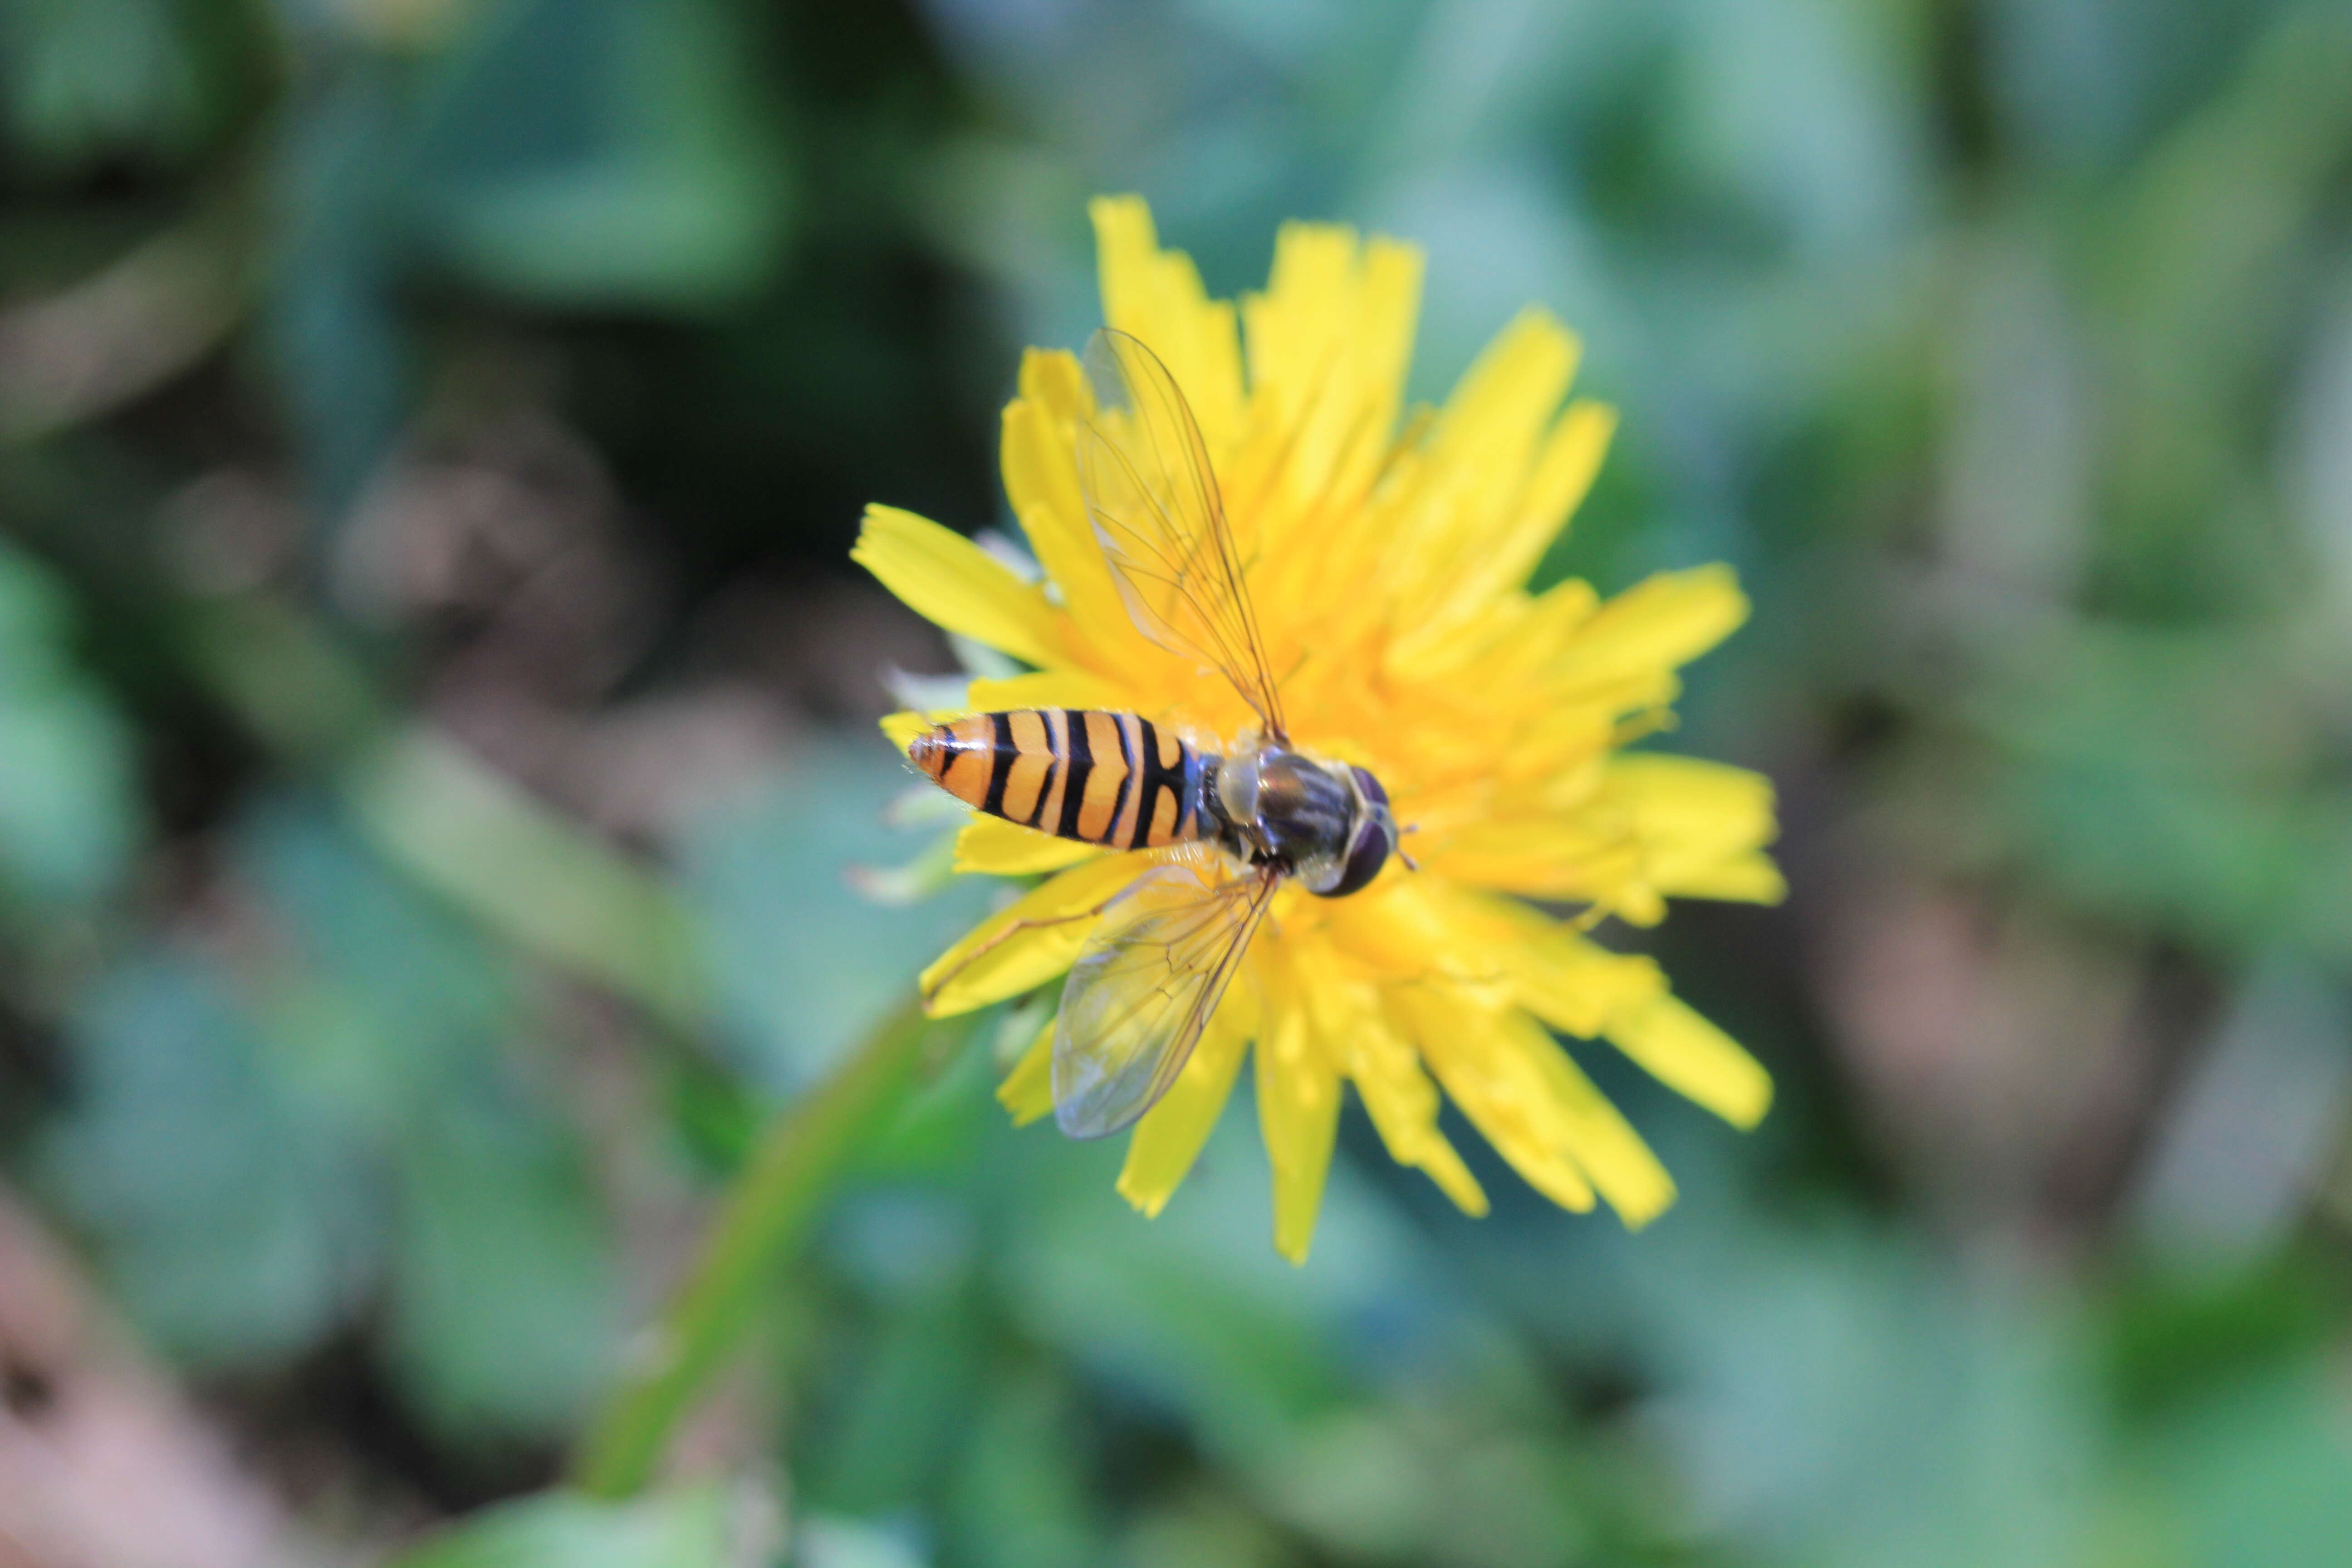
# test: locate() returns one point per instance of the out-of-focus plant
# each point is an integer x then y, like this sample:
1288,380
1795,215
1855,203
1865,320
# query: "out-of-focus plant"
70,818
423,824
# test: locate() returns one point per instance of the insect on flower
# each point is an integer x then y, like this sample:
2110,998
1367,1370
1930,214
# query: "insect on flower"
1163,950
1280,629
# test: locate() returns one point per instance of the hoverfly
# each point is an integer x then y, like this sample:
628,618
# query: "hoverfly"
1162,952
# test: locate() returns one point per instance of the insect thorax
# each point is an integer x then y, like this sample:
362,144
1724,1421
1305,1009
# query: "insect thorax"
1325,824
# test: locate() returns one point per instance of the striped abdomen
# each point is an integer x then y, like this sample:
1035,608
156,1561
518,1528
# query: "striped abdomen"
1105,778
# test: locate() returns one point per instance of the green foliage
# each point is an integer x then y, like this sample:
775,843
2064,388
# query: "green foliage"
87,81
679,1530
233,1223
602,152
260,1157
69,814
438,795
805,965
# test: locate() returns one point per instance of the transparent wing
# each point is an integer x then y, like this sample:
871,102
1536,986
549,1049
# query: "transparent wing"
1161,523
1143,988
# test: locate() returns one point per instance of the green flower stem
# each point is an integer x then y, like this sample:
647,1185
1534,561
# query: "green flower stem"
761,1222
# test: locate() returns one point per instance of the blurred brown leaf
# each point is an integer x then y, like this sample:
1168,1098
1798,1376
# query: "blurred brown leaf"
102,1463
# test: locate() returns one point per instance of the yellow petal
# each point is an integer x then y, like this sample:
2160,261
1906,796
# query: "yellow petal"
1659,624
1403,1106
1507,396
1748,879
953,582
1169,1138
1656,825
1555,615
1690,1056
1330,341
1563,476
999,849
1298,326
1580,855
1045,688
1563,472
1038,455
1596,1134
1698,823
1636,903
1040,445
1467,1046
1387,312
1053,382
1041,479
1407,927
1028,1090
1506,555
1397,1095
1567,981
1022,947
1471,485
1297,1109
1541,857
1156,295
1388,927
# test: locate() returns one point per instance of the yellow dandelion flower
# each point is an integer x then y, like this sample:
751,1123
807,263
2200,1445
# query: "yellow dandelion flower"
1386,555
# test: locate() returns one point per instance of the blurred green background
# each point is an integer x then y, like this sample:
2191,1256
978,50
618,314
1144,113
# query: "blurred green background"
435,742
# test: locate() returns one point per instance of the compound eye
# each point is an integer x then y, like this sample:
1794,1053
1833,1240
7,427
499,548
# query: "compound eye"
1365,858
1370,786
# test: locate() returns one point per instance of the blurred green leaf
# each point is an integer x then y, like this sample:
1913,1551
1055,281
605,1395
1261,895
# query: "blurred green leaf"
505,1307
1842,1397
558,1529
441,818
838,1541
804,964
469,834
2158,773
69,811
339,347
1193,1311
432,1004
953,1104
233,1223
900,1404
2173,1342
605,152
2255,1474
86,79
1021,1495
135,323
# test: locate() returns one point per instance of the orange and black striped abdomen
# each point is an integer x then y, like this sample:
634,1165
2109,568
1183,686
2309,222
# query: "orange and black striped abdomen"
1105,778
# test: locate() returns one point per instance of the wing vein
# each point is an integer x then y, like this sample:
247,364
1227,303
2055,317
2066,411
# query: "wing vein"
1152,496
1144,989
